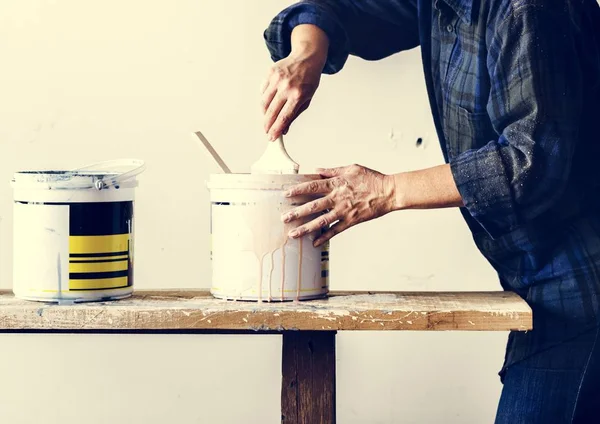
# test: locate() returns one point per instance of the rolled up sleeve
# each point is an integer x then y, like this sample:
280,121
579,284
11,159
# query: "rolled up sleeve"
371,29
535,106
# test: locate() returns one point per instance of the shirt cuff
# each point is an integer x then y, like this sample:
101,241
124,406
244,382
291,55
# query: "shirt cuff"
278,34
482,182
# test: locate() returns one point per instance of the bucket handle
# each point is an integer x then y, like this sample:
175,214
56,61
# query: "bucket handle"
138,166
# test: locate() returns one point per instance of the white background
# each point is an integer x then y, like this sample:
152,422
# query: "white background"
84,81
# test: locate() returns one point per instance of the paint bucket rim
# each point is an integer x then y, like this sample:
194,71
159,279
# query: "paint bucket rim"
84,178
247,181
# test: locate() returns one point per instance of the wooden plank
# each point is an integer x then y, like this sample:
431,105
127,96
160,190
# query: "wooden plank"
308,377
198,310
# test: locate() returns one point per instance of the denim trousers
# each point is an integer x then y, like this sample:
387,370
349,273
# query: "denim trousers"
557,386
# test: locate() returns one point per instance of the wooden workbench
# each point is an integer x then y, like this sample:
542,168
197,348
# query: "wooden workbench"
308,328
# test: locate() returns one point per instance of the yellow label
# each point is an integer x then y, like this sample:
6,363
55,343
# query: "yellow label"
95,284
98,266
99,262
99,244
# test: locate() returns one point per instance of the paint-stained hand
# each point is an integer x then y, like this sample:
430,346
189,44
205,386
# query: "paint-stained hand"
352,194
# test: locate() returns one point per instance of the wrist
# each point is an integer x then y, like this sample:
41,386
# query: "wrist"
397,183
310,55
390,193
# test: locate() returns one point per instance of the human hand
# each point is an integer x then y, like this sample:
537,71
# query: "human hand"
352,194
292,82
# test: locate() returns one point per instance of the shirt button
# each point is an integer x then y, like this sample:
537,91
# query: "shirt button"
450,28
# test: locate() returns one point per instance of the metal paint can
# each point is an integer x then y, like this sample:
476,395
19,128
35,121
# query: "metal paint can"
73,232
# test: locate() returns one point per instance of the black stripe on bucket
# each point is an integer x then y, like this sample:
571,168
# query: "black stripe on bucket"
98,255
97,275
100,219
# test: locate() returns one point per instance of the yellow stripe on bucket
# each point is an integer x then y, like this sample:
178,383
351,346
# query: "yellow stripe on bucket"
95,284
98,244
98,266
97,259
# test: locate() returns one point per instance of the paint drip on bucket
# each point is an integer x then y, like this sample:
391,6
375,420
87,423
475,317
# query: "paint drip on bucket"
74,232
252,256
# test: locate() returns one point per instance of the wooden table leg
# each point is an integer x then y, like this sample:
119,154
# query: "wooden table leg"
308,381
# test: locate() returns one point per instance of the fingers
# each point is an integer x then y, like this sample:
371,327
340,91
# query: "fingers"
314,225
334,230
273,110
301,109
285,118
264,85
269,92
332,172
308,209
313,187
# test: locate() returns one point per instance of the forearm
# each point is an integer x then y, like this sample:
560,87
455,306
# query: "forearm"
310,41
430,188
371,30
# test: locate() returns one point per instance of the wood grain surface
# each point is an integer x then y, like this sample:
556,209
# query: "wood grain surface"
198,310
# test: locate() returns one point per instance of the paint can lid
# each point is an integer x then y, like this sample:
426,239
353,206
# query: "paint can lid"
98,176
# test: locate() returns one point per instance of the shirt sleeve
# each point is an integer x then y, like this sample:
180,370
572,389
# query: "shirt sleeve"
372,29
535,104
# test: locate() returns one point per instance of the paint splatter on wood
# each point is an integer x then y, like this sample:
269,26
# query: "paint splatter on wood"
198,310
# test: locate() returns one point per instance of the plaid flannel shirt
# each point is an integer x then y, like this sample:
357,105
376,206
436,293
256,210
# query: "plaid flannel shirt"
514,88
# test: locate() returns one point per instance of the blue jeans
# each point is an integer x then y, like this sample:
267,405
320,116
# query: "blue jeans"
559,385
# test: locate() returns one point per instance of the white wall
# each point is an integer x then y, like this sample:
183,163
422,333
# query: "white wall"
83,81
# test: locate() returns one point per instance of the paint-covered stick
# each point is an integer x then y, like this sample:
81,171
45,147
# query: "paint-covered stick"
213,153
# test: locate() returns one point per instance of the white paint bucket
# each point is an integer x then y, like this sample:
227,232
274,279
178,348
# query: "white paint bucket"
73,232
252,257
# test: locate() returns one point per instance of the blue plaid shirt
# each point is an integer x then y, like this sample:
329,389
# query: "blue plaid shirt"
514,87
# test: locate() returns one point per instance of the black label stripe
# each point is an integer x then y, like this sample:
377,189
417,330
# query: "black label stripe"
100,219
97,275
97,255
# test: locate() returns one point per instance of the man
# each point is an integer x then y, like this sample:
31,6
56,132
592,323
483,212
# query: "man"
514,87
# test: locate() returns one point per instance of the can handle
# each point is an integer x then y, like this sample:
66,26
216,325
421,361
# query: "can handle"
138,166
